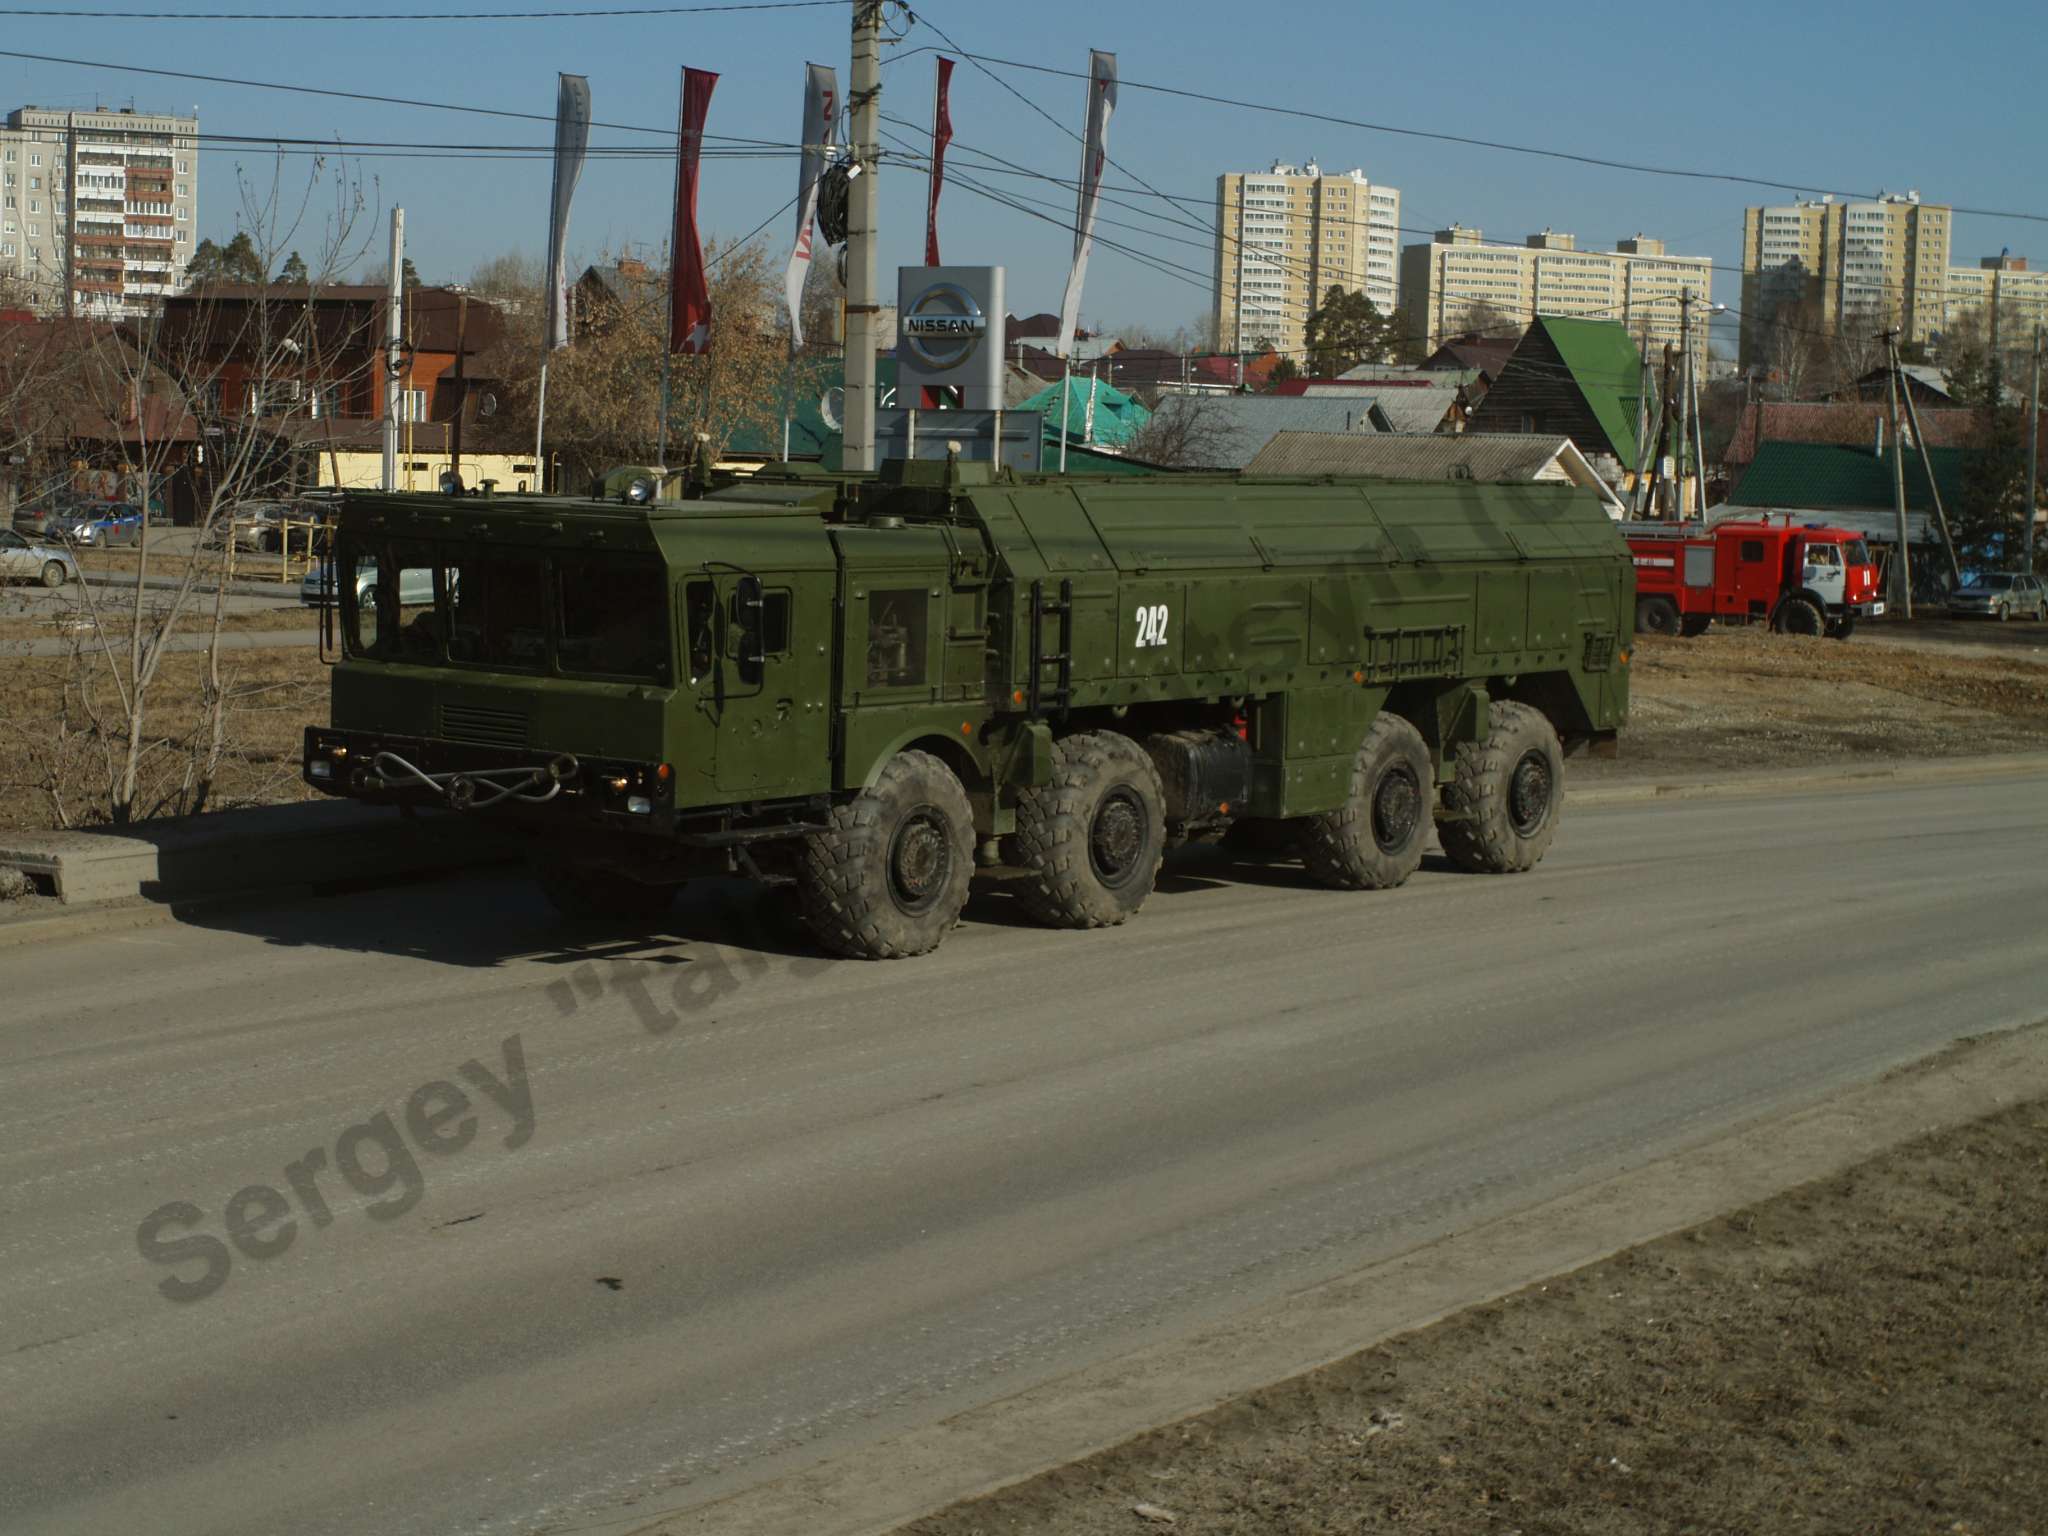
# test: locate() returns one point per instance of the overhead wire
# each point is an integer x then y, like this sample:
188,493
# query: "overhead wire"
603,13
1506,146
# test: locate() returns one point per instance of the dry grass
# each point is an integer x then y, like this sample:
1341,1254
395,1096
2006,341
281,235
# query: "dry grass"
53,770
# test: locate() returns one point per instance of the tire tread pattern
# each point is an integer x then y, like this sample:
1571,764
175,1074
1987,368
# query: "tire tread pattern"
1485,841
842,883
1337,847
1051,841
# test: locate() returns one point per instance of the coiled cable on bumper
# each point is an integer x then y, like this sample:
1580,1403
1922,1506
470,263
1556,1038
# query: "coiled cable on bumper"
535,786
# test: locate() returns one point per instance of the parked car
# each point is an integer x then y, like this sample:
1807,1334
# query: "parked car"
2000,595
415,585
101,524
32,515
23,559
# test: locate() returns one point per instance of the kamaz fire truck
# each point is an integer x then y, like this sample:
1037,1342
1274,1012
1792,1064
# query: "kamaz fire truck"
1801,579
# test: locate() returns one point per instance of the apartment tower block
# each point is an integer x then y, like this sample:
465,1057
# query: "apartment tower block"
1285,237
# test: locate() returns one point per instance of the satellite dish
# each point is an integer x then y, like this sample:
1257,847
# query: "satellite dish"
839,266
487,404
832,407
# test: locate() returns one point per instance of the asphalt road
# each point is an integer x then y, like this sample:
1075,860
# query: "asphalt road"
725,1208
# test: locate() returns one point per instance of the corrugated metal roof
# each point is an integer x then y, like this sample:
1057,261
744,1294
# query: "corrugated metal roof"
1118,417
1832,478
1236,427
1414,409
1492,457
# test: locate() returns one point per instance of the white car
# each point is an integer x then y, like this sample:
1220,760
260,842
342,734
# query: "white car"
23,559
415,585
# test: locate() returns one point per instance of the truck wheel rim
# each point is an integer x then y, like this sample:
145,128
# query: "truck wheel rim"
1396,807
1117,836
1529,793
920,860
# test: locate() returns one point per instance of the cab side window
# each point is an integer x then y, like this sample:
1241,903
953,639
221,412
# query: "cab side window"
700,624
897,621
1751,552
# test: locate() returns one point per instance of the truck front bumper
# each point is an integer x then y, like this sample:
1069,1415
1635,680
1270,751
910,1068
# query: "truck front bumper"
405,770
1870,610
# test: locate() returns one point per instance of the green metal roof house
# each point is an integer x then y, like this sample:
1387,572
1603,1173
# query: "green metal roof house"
1118,417
1583,378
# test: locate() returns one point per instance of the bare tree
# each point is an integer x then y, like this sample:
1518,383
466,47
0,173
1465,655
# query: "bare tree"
1185,432
604,390
196,402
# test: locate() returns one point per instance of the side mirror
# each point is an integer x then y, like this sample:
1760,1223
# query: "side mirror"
748,609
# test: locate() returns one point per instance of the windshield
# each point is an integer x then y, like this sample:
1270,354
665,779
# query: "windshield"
1856,552
575,615
1992,583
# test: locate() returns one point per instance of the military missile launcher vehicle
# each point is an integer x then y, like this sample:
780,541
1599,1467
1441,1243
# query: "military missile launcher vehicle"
867,687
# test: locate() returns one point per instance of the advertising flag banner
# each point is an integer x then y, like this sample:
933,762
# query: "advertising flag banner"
572,139
821,112
1094,156
689,323
942,135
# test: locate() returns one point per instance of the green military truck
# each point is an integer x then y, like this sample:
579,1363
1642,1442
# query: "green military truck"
869,687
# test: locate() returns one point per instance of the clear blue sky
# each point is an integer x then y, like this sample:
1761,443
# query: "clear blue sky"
1878,95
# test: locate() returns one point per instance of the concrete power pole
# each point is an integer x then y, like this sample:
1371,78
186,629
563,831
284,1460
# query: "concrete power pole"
1902,568
863,238
2033,447
1684,400
394,345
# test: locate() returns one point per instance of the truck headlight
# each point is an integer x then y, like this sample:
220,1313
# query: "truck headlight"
320,768
639,805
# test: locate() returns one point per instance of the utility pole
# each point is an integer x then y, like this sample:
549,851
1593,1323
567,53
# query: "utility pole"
2033,446
1684,396
1638,495
394,344
462,386
863,237
1902,568
1948,543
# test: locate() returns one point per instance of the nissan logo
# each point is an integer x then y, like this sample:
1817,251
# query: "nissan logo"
944,326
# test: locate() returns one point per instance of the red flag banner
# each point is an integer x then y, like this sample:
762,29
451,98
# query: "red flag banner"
689,322
942,135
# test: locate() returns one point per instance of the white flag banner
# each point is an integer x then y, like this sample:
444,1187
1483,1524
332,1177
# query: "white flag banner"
1094,156
821,113
572,138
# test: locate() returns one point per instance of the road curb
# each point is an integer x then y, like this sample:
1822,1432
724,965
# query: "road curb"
1923,771
880,1488
284,591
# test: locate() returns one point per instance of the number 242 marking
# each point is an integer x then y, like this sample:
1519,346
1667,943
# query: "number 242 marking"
1152,624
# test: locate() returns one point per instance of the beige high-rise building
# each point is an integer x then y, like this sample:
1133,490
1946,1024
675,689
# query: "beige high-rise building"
1459,277
1284,237
2022,296
98,209
1881,262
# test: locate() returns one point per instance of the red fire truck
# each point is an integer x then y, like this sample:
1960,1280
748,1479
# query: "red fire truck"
1801,579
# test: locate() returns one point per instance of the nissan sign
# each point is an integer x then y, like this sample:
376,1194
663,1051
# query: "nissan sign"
941,328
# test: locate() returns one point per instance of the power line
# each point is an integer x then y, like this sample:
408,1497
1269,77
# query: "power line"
314,90
1453,138
608,12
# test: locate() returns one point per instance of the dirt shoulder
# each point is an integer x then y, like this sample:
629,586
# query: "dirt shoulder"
1866,1353
1742,699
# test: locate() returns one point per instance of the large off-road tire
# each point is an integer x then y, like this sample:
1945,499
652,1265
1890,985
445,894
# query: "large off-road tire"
1091,841
53,573
1693,625
581,891
1374,840
1657,616
888,879
1843,627
1511,789
1797,616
